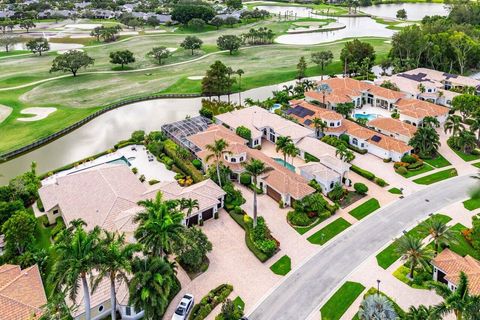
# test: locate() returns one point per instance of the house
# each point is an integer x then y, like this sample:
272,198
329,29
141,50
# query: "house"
448,265
263,124
305,113
22,295
280,183
413,111
394,128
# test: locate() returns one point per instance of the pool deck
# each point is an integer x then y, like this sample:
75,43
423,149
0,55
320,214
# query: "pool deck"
370,110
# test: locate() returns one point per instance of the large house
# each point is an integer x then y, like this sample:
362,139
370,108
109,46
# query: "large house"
448,265
393,127
22,295
431,85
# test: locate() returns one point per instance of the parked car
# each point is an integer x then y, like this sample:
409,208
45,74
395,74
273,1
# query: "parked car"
184,307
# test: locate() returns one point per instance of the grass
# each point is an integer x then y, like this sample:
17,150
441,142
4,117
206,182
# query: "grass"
42,242
395,191
436,177
13,53
282,266
303,230
365,209
412,173
471,204
341,300
461,245
323,235
389,255
465,156
438,162
239,303
477,165
402,272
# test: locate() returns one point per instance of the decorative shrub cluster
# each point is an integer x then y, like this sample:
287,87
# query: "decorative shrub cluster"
216,296
360,188
307,210
408,163
245,179
244,132
368,175
170,149
261,235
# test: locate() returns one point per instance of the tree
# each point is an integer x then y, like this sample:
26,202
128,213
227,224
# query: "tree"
160,54
192,251
57,308
38,45
459,301
426,140
301,68
231,21
439,232
77,253
389,85
71,61
414,252
19,232
466,104
138,136
229,42
159,224
218,80
217,22
377,306
255,168
466,140
240,73
402,14
462,45
430,121
196,24
115,256
345,109
186,11
322,59
122,57
189,204
152,284
230,311
234,4
356,51
292,151
7,41
319,125
191,43
343,153
217,149
281,145
422,313
97,32
27,24
454,125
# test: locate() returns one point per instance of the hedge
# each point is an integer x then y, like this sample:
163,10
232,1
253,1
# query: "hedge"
364,173
187,167
216,296
310,158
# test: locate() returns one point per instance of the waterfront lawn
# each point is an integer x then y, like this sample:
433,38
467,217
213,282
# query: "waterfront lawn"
471,204
438,162
365,209
341,300
395,191
282,266
323,235
436,177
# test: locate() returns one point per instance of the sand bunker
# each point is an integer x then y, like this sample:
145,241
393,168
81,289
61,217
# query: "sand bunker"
4,112
195,78
38,113
83,26
128,33
172,49
65,51
155,31
80,36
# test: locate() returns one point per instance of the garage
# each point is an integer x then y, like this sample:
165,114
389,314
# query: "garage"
193,220
274,194
208,214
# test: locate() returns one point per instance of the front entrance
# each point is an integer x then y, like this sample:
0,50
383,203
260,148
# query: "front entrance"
274,194
207,214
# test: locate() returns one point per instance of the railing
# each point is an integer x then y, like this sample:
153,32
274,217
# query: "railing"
15,153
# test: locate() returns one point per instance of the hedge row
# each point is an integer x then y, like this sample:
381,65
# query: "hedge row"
368,175
216,296
187,167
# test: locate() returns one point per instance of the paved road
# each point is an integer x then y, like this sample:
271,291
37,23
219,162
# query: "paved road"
301,293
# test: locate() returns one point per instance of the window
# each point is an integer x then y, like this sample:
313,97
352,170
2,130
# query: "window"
225,156
128,311
55,211
241,159
233,160
362,145
338,123
355,141
100,309
332,124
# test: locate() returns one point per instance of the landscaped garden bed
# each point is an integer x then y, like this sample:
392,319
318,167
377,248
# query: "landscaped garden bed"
368,175
420,279
323,235
411,165
216,296
398,310
437,176
365,209
341,300
282,266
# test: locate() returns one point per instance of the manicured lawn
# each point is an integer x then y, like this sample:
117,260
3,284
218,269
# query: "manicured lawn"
282,266
402,272
389,255
329,231
471,204
395,191
461,246
365,209
303,230
239,303
341,300
437,176
413,173
438,162
466,156
477,164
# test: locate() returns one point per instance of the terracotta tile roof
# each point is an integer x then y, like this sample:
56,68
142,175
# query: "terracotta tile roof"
453,264
393,125
215,132
419,109
319,112
22,295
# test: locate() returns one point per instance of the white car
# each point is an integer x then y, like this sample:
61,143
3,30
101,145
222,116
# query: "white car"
184,307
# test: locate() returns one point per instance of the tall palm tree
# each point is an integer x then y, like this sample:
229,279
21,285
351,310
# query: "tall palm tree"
115,258
240,72
414,252
422,313
454,125
292,151
151,285
282,145
319,125
159,224
431,121
439,232
377,306
475,127
77,251
343,153
255,168
426,141
460,301
466,140
217,149
189,204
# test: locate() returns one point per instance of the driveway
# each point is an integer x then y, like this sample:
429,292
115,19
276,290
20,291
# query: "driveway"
302,292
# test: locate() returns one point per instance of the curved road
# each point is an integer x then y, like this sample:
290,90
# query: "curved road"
301,293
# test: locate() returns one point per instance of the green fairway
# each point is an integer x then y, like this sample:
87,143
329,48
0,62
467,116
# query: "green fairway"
282,266
471,204
341,300
365,209
323,235
436,177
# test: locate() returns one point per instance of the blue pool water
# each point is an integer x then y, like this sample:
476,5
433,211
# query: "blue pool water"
275,107
287,165
367,116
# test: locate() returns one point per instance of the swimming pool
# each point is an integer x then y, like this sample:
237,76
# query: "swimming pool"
285,164
367,116
121,160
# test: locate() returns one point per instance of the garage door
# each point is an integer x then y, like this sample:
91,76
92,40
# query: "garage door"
207,214
193,220
274,194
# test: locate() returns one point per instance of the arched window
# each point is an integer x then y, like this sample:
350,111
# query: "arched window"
355,141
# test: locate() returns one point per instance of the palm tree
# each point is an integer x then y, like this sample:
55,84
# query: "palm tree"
319,125
159,224
57,308
292,151
454,125
414,252
460,301
377,306
282,145
439,232
115,258
217,149
343,153
466,140
189,204
151,286
431,121
422,313
240,72
77,251
475,127
426,140
255,168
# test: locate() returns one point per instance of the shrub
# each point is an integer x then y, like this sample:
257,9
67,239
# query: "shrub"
396,165
244,132
60,225
138,136
299,218
380,182
360,188
142,178
310,158
40,205
261,236
387,160
245,179
315,185
475,152
216,296
409,159
237,210
170,149
402,170
415,166
153,181
134,170
345,138
364,173
167,161
197,164
207,113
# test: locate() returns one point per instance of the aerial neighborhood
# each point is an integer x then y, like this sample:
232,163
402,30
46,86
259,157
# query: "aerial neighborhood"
235,160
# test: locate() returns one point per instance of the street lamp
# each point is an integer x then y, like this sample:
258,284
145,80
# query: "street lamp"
378,285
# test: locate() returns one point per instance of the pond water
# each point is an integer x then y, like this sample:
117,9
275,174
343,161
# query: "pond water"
415,11
53,46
